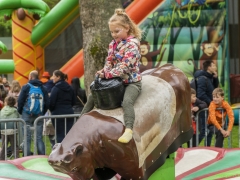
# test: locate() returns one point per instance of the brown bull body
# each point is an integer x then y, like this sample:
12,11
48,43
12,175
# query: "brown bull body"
91,148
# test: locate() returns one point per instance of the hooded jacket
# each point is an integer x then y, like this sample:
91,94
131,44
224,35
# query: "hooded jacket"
24,95
62,98
205,86
8,113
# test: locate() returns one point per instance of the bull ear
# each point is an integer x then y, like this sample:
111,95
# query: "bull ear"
78,148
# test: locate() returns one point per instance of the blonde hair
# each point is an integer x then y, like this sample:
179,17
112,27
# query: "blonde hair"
121,18
218,91
16,87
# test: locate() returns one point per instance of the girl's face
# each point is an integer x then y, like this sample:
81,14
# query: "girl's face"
55,78
217,99
118,32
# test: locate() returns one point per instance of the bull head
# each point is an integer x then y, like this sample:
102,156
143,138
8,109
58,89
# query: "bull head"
71,161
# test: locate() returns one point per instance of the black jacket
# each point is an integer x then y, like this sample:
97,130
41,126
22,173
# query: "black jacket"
62,98
24,95
200,104
49,85
205,86
82,95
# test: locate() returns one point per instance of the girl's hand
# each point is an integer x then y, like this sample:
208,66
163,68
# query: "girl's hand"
99,72
101,75
1,102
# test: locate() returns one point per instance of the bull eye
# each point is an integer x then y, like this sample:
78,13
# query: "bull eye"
68,158
74,169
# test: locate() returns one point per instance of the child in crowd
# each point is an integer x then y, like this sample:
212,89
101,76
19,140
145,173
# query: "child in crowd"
7,134
123,61
6,84
196,105
15,90
216,118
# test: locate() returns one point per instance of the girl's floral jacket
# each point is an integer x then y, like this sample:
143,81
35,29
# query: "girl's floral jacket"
123,60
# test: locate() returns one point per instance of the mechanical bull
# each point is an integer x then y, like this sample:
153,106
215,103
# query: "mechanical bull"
162,124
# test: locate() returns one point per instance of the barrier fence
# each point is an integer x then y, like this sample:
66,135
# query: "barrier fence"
18,135
52,117
22,137
198,126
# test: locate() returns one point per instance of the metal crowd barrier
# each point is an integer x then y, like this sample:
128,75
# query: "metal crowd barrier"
206,128
41,118
20,139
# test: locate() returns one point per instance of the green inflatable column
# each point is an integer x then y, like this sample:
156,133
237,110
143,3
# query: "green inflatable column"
6,66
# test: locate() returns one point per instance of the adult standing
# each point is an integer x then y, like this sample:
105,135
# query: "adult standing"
48,129
62,99
29,118
47,82
80,95
207,81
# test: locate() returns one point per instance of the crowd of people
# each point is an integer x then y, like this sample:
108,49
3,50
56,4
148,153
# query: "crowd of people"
50,95
209,95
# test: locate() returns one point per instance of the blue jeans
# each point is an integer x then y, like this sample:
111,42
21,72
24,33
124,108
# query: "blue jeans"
29,122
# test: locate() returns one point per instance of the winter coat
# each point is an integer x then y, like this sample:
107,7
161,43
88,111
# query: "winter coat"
205,86
200,104
62,98
215,115
8,113
24,95
123,60
48,85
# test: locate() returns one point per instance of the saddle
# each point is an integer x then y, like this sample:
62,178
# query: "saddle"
107,93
